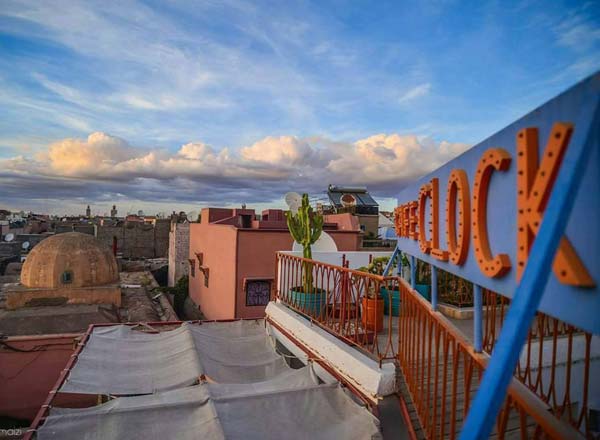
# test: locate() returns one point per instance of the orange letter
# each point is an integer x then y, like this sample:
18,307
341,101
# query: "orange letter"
406,219
534,186
458,186
424,194
413,208
398,221
491,266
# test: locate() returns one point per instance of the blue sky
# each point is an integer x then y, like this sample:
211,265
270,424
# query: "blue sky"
181,105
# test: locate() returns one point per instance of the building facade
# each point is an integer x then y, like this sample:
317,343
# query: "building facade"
234,238
179,246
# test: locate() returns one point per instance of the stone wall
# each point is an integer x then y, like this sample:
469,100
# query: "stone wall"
179,243
137,240
161,237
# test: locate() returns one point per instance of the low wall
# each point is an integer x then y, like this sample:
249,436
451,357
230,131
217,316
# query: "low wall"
354,259
21,297
30,367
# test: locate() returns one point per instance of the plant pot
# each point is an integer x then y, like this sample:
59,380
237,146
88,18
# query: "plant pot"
312,303
395,294
424,290
372,313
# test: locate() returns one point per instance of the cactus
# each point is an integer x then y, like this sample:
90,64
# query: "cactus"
306,227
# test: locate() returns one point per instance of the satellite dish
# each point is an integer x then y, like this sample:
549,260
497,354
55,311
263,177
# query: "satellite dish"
293,200
325,243
348,200
26,245
9,237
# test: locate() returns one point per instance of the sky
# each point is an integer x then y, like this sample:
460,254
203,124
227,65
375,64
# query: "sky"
179,105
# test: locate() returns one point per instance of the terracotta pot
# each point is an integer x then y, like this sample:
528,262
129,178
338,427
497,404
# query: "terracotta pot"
372,313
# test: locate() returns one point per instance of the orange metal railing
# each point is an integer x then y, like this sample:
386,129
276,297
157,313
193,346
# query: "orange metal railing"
443,373
548,364
347,303
441,370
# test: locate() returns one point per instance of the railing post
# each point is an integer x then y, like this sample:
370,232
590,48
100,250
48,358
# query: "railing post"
477,318
434,288
413,272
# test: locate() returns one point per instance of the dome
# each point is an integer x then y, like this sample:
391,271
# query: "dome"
69,260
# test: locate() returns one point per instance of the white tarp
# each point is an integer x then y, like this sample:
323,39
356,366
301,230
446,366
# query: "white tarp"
291,406
249,392
119,360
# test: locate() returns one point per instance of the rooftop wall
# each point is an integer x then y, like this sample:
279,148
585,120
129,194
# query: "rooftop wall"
28,376
218,245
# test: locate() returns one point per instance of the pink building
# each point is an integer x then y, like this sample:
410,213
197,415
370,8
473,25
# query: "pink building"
232,257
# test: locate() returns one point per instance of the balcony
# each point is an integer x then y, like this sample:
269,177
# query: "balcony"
439,370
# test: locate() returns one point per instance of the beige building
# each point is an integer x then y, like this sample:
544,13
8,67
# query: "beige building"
69,268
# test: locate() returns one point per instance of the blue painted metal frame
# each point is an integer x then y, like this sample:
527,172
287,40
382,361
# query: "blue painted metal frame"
413,272
499,372
477,318
391,262
434,288
558,299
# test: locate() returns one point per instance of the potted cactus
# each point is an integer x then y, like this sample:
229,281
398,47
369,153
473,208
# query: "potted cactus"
306,227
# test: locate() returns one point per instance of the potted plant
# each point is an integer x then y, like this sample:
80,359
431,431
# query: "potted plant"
372,310
390,292
373,302
423,279
306,227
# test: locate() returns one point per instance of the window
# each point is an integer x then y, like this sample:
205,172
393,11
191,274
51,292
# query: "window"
258,292
67,277
192,267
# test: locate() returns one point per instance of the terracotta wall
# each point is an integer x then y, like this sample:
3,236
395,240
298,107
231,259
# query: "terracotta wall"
217,243
346,241
233,254
26,378
256,259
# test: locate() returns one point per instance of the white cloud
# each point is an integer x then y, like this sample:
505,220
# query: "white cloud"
415,92
283,151
94,156
391,158
578,33
380,160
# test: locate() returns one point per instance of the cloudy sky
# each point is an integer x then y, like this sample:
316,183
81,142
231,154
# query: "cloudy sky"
177,105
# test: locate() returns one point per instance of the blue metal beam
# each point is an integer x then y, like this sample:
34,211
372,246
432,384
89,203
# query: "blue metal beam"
434,289
524,305
477,318
413,272
390,263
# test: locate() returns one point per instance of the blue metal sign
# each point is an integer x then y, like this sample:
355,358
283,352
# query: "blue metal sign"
484,226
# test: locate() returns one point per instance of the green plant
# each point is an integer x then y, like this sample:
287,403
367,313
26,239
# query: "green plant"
181,291
306,227
423,273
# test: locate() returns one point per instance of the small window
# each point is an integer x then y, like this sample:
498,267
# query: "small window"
192,267
67,277
258,292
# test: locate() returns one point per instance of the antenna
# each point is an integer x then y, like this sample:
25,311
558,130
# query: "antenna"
293,200
9,237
